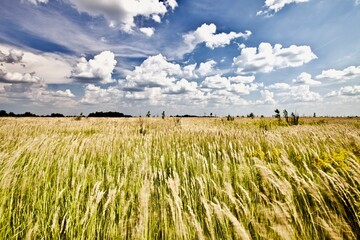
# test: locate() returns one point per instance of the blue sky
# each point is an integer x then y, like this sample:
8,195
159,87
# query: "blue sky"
180,56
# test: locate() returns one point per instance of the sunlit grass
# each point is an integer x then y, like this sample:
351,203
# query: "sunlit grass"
179,179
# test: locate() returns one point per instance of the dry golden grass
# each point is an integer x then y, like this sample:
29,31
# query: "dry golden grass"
198,178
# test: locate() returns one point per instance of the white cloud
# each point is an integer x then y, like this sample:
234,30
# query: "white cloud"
342,75
242,79
302,93
206,33
305,78
159,82
231,85
172,3
14,56
182,86
96,95
279,86
156,18
240,88
97,69
357,2
216,82
267,58
38,94
206,68
189,71
37,1
148,31
50,67
66,93
58,98
350,90
332,94
273,6
15,77
123,12
155,71
268,97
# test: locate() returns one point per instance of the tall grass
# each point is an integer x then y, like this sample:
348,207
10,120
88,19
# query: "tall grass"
178,179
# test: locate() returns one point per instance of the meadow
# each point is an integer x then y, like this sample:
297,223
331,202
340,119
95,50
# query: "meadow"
172,178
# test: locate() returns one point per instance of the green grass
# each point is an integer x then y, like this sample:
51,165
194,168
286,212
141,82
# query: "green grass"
179,179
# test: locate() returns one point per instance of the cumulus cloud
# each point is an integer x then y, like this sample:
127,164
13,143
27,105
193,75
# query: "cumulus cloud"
14,56
16,77
189,71
66,93
148,31
273,6
172,4
58,98
342,75
156,18
206,33
49,67
350,90
98,69
268,97
357,2
266,58
216,82
232,85
305,78
279,86
181,87
123,12
97,95
155,71
302,93
242,79
157,81
206,68
38,93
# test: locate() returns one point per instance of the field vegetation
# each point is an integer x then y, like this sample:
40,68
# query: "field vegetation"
172,178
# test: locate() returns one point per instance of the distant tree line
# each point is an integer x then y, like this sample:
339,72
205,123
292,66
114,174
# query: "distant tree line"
3,113
108,114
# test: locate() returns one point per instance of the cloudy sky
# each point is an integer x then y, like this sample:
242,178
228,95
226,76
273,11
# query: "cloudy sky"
180,56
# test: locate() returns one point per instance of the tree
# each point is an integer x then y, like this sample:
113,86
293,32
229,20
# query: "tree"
211,114
3,113
286,116
277,115
251,115
314,115
163,115
294,118
148,114
230,118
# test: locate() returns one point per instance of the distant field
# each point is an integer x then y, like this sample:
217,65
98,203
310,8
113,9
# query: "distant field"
195,178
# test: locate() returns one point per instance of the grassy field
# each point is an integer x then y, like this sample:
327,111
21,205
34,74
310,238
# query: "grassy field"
179,179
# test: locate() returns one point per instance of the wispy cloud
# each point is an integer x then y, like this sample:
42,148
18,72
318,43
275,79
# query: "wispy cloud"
273,6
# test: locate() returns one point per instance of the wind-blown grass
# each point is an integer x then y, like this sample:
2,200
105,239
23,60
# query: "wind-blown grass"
178,179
